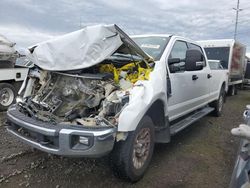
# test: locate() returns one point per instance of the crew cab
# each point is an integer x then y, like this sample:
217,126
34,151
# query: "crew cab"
97,91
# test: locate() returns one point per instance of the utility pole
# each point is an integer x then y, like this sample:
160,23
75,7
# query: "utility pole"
236,19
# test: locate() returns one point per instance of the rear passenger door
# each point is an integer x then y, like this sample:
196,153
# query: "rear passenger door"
187,93
202,84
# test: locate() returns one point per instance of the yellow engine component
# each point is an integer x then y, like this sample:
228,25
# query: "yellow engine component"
111,69
134,71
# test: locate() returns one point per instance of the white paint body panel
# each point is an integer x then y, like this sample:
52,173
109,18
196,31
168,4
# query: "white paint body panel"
142,97
11,74
187,95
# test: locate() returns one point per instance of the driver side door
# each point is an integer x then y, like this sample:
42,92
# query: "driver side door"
188,88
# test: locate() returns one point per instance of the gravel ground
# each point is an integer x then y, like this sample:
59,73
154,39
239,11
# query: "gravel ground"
202,155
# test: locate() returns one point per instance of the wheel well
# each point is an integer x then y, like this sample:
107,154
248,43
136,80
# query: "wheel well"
16,84
225,91
8,81
223,85
156,113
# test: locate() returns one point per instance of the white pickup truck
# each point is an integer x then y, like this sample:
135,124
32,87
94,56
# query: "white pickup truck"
96,91
11,75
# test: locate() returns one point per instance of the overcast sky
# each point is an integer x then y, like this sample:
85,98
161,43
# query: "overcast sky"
27,22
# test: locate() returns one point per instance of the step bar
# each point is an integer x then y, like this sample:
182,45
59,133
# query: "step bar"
182,124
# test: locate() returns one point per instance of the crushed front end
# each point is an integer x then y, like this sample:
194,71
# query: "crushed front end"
76,112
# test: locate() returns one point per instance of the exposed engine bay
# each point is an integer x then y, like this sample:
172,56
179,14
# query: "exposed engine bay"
94,96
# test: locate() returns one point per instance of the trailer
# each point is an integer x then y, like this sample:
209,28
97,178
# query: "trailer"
247,73
231,54
11,75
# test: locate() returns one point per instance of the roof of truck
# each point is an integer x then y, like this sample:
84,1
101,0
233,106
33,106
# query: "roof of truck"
165,35
159,35
150,35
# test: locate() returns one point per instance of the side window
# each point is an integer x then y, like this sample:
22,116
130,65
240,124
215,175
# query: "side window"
179,50
178,53
196,47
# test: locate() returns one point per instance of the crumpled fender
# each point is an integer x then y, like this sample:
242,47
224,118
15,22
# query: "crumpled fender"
142,96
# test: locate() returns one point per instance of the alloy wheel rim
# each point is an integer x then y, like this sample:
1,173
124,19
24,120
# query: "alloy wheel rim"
141,148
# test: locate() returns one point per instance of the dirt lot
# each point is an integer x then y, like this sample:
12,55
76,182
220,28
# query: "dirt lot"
200,156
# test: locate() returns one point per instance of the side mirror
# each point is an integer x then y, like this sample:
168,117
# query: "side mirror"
173,61
194,60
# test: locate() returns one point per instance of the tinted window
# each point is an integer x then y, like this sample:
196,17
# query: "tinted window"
218,53
153,45
196,47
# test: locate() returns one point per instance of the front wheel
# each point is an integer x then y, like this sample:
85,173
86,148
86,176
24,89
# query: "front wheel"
130,158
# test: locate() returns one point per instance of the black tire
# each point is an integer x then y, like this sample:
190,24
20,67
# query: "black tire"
122,155
7,96
218,104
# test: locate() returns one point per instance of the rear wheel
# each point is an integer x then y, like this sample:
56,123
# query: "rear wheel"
7,95
131,158
218,104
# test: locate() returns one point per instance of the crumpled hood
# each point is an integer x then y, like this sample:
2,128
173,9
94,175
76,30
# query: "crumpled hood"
81,49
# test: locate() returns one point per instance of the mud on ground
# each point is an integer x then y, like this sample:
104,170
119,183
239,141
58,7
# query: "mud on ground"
202,155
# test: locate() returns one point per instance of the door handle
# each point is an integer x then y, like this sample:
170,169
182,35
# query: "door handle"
209,76
195,77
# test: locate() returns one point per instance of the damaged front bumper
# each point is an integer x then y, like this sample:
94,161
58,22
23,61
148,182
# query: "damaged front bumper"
64,140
